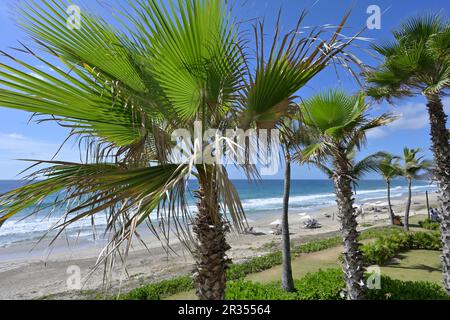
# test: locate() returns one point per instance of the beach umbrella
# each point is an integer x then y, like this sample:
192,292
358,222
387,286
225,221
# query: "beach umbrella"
278,221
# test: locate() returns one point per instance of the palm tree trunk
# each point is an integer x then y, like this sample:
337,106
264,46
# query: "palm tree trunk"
352,266
287,280
391,212
408,206
210,256
441,151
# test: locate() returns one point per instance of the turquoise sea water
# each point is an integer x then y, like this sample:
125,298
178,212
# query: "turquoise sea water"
257,198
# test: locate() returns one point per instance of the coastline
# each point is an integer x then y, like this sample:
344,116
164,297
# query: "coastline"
42,272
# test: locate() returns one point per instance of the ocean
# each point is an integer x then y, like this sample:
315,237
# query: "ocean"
258,198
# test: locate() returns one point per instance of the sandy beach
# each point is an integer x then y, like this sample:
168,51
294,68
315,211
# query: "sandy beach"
42,272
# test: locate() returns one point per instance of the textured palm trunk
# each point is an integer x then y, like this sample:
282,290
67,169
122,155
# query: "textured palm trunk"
441,151
391,212
210,251
408,206
287,280
352,266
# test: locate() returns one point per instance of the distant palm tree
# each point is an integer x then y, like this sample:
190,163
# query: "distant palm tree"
339,123
389,168
124,94
418,62
412,168
287,280
293,136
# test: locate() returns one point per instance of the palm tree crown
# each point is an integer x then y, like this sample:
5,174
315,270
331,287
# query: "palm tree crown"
389,166
417,61
414,167
338,123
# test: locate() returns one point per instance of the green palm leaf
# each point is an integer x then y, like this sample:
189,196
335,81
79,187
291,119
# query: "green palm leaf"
89,189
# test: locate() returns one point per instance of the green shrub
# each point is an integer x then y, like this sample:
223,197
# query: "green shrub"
317,245
321,285
393,289
386,247
156,291
247,290
428,224
257,264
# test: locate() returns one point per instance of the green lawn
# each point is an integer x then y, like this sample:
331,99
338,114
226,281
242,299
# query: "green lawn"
413,265
310,262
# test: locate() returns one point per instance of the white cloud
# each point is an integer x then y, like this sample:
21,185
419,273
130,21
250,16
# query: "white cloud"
412,116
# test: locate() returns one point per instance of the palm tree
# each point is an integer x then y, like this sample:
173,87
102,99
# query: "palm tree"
418,62
339,124
293,137
125,92
389,168
287,280
411,169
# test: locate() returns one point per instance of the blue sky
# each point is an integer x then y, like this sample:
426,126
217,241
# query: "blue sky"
20,138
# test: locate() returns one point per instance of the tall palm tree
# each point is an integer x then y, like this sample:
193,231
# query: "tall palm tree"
389,168
287,280
293,136
412,167
125,92
418,62
339,123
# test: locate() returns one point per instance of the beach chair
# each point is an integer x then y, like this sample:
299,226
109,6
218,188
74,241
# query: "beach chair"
276,230
311,224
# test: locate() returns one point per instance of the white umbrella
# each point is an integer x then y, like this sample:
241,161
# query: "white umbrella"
307,217
278,221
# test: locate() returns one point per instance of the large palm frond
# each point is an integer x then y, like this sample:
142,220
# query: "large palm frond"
126,196
416,62
290,65
78,101
97,44
368,164
192,51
